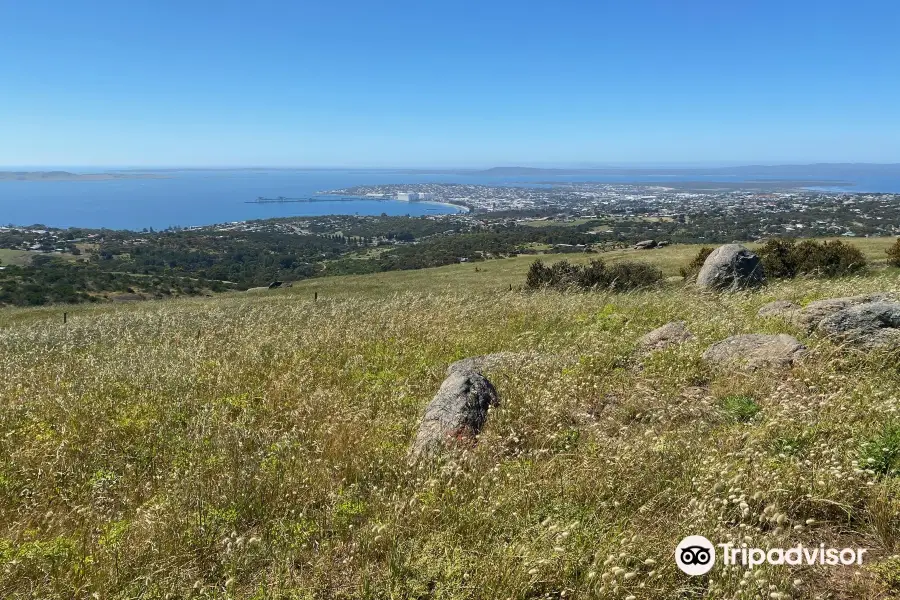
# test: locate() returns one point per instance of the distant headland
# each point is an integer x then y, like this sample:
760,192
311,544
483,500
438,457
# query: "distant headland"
67,176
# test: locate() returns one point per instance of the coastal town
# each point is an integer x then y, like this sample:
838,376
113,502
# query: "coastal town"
789,212
616,211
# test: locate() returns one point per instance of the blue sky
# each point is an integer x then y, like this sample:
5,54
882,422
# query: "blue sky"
440,83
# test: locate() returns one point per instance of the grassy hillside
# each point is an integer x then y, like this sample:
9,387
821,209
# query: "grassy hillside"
254,445
15,257
495,275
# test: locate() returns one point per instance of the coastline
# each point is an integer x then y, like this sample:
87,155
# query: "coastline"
459,207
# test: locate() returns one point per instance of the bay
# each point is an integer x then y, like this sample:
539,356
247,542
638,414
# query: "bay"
196,197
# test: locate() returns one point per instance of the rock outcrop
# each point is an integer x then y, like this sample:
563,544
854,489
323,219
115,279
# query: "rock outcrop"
755,350
731,267
813,313
455,415
869,326
784,309
670,334
645,245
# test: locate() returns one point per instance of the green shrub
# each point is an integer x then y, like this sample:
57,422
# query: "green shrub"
882,452
741,408
559,275
894,254
888,571
777,256
693,268
633,275
828,259
595,275
785,258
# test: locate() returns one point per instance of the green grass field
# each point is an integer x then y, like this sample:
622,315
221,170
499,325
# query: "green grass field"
19,258
22,258
254,445
498,274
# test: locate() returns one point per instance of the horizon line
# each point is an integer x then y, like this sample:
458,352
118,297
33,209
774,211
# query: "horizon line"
535,166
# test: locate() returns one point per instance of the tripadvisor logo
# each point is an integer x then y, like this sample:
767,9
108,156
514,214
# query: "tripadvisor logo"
696,555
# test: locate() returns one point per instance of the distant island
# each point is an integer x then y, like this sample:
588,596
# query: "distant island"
67,176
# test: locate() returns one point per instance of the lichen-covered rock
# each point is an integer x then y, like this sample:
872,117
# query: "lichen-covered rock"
813,313
731,267
780,308
755,350
670,334
455,415
869,326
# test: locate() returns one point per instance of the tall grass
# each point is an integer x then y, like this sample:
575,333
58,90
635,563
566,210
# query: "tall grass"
254,447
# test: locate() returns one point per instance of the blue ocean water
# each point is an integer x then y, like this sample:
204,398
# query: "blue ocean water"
187,198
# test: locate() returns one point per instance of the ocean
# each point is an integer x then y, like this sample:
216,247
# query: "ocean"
192,197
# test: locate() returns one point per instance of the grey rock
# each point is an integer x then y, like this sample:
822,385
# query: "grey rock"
813,313
731,267
780,308
756,350
869,326
455,415
645,245
670,334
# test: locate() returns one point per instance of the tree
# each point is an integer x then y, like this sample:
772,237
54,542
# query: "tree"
894,254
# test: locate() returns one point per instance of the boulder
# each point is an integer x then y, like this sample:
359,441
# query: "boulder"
813,313
731,267
755,350
455,415
645,245
780,308
670,334
869,326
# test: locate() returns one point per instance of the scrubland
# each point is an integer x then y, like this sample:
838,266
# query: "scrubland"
254,446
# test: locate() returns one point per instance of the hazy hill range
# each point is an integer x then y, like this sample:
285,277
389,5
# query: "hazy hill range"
67,176
798,173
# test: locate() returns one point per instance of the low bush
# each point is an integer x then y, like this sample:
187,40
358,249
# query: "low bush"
595,275
882,452
741,408
828,259
693,268
894,254
778,258
786,258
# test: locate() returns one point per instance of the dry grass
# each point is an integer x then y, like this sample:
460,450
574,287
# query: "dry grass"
253,446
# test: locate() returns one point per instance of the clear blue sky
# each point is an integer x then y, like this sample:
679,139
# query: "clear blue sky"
448,83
